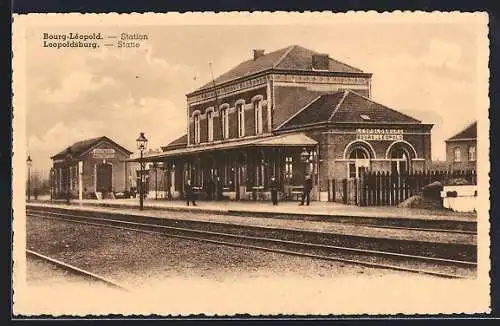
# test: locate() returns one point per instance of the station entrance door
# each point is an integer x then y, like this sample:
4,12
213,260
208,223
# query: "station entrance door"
104,179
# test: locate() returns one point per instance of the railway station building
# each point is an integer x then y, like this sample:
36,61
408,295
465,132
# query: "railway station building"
289,113
92,168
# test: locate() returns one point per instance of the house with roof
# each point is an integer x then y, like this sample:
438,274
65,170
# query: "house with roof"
92,168
461,149
289,113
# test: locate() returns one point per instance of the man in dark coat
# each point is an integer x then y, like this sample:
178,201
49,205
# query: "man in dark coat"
306,193
189,192
273,185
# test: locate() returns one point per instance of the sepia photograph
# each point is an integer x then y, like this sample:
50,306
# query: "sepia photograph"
251,163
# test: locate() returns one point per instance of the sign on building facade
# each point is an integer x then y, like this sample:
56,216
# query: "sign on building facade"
103,153
379,134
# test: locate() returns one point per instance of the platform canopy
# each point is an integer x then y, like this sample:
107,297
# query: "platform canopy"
285,140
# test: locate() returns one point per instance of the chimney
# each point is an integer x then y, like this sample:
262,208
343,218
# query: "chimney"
257,54
320,61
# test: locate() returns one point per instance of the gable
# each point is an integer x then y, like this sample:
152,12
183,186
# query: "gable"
345,107
105,144
81,147
320,110
289,101
354,106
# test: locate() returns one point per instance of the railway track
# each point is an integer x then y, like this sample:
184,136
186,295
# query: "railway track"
293,243
75,270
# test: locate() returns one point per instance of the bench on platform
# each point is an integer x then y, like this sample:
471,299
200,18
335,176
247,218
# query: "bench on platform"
295,192
257,193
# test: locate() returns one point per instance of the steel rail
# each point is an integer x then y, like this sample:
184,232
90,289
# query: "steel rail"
414,228
106,222
238,236
76,270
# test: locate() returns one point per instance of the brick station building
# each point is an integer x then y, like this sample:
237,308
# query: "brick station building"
461,149
255,121
92,168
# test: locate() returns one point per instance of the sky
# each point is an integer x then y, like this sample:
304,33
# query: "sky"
428,71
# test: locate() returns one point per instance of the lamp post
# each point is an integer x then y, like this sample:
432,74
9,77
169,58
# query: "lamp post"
29,162
69,157
142,143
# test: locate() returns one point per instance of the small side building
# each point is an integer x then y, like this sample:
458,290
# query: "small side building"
461,149
92,168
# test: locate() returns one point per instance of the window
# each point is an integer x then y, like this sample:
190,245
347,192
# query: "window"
358,162
288,167
241,120
457,155
210,126
258,116
225,123
399,161
196,128
472,153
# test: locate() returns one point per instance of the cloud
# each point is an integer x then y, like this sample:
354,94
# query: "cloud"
74,86
58,137
61,135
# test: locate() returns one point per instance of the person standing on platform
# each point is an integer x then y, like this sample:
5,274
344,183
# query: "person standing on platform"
189,193
306,192
273,185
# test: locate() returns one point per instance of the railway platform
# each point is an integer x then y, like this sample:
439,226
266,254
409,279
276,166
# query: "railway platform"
390,223
291,210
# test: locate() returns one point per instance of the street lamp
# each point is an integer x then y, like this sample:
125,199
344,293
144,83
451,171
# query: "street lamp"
142,143
69,157
29,162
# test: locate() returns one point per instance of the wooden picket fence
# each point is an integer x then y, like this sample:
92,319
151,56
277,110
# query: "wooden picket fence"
386,189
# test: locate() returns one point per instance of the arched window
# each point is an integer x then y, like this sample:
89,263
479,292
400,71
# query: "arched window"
472,153
358,153
196,119
258,116
210,126
400,161
225,122
359,161
241,119
457,155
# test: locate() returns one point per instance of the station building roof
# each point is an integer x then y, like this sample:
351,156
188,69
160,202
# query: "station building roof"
291,58
83,146
344,107
285,140
180,142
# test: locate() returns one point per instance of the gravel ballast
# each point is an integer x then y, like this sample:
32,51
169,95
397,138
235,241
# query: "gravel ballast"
135,258
171,276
